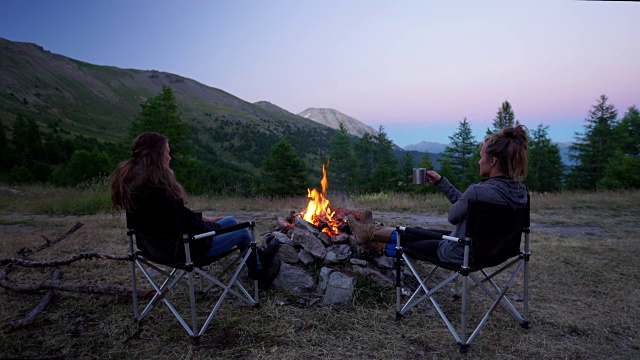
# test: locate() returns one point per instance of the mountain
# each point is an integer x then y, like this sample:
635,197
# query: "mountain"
332,118
72,97
438,148
426,146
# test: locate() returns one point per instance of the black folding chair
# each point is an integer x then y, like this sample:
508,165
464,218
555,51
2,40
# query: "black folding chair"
493,238
171,253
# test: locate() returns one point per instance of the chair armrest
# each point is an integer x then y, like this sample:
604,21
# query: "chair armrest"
225,230
426,233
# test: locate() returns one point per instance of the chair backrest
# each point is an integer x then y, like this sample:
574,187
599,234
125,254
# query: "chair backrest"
159,233
496,231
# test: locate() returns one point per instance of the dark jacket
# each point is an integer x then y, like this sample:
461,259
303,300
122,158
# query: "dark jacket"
493,190
151,208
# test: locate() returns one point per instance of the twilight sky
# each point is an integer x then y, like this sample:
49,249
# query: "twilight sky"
415,67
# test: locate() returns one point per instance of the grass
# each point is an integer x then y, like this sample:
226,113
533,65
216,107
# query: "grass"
583,293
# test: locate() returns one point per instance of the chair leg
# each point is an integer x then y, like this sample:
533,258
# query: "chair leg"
132,262
463,320
192,299
134,288
525,315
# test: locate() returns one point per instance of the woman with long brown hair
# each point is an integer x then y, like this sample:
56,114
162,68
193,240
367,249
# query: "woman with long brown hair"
146,185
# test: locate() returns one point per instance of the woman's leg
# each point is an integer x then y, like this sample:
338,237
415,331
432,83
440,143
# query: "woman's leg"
225,242
415,243
425,249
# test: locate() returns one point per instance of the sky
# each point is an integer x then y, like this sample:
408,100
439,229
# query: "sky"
417,68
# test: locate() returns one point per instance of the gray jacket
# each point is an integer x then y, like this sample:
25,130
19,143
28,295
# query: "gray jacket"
494,190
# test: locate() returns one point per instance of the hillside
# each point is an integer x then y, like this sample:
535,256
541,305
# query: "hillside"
100,101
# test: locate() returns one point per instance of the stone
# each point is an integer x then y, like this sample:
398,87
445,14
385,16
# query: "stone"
359,262
283,238
379,278
337,254
294,279
304,224
341,238
284,223
325,238
386,262
288,254
339,288
323,278
309,242
305,257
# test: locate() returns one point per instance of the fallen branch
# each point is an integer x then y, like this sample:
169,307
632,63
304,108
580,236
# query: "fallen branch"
24,252
71,286
56,283
66,261
31,317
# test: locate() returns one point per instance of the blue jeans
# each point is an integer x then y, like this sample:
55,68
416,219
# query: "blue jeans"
390,249
225,242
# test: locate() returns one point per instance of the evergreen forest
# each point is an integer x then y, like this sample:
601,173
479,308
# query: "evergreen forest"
605,155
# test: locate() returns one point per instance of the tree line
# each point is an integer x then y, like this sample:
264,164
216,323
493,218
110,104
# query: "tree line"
604,156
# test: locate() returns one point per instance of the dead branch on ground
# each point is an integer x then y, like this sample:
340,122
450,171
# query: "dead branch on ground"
31,316
6,266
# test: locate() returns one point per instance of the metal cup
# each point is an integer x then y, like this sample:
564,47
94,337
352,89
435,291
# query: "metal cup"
419,175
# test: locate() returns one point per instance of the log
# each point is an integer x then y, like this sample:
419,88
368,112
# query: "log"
65,261
24,252
74,286
31,316
56,283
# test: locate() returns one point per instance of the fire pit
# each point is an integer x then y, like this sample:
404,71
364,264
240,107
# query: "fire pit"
320,236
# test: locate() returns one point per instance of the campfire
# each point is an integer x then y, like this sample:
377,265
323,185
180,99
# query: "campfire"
318,211
321,235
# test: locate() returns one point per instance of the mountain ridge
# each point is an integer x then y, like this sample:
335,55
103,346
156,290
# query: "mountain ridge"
332,118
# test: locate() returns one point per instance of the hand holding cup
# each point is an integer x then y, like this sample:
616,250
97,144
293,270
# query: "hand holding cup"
432,177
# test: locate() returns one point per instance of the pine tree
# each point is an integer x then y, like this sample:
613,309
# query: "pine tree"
4,150
364,152
628,132
283,173
343,166
425,162
594,148
405,175
160,114
26,142
385,163
545,162
459,156
623,170
505,117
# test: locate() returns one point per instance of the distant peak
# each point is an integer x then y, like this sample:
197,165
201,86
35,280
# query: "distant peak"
332,118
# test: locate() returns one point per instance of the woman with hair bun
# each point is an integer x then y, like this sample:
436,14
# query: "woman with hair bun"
503,165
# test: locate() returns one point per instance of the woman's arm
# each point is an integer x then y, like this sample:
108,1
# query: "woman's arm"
458,211
449,190
197,223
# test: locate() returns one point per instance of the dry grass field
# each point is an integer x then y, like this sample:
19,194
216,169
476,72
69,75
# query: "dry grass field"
583,288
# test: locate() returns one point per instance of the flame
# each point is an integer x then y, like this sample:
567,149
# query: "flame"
318,207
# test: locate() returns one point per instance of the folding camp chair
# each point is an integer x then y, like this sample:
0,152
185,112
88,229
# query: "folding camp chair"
493,237
170,254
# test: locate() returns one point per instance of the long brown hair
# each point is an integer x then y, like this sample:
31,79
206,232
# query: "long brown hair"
145,169
509,146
